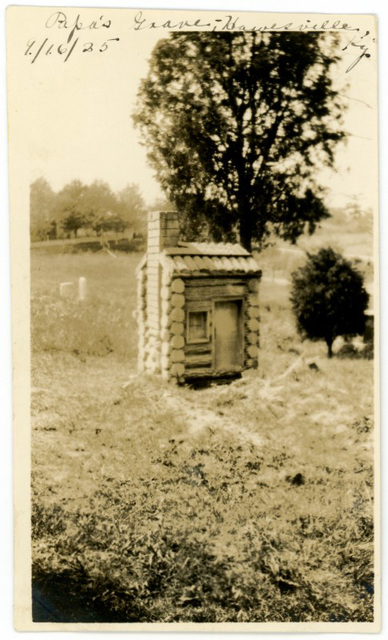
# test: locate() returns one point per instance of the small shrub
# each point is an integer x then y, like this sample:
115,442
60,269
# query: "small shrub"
328,298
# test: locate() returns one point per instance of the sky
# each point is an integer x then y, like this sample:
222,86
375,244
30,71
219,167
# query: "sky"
81,127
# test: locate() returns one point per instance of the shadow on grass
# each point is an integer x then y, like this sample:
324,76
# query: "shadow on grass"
205,383
349,351
64,598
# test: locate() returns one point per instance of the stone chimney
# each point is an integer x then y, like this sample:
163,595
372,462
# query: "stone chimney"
163,231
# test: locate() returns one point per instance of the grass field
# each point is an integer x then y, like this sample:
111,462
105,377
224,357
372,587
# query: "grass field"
246,502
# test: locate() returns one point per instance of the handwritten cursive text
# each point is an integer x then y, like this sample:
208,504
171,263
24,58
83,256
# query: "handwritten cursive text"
59,20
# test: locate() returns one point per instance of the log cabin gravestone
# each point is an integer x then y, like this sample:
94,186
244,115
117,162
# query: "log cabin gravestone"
198,310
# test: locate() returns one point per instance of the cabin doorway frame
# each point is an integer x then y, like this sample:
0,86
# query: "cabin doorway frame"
241,310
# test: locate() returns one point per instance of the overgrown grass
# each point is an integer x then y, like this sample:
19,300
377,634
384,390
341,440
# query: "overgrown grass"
248,502
100,325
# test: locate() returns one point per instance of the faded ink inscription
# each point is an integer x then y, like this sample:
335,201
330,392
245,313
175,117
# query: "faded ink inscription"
89,36
93,40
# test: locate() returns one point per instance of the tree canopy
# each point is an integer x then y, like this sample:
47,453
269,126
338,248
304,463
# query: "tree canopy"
328,298
76,206
69,205
237,125
42,200
131,208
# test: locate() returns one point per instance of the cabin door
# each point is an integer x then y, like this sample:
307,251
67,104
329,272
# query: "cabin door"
228,336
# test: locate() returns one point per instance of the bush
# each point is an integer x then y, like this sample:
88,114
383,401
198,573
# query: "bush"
328,298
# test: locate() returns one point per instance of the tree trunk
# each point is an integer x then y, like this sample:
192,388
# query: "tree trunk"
329,342
246,230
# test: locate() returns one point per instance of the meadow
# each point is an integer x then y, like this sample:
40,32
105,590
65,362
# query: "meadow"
247,502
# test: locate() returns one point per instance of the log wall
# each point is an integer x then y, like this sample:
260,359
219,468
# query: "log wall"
252,325
164,301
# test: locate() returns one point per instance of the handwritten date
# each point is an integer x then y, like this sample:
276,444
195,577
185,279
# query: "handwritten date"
47,48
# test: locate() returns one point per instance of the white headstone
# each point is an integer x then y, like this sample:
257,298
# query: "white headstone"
81,288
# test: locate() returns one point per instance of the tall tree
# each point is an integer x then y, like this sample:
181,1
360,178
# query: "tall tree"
237,125
100,206
42,200
70,206
132,208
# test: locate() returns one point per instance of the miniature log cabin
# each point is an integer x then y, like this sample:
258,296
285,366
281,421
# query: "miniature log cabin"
198,313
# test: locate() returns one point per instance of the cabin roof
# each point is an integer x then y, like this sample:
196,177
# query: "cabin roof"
207,249
201,258
192,264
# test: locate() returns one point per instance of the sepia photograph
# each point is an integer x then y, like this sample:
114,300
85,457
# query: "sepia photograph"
195,268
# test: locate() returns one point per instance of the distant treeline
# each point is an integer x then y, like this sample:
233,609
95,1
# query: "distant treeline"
83,210
80,210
